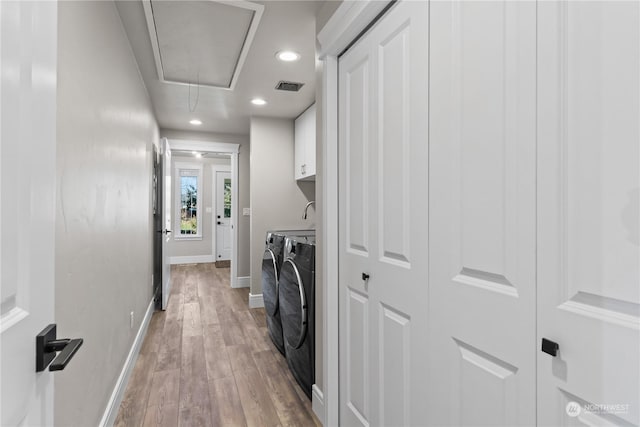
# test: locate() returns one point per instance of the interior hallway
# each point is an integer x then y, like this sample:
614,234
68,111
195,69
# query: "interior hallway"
208,361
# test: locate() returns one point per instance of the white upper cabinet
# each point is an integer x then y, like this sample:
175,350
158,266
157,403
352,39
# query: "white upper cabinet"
305,145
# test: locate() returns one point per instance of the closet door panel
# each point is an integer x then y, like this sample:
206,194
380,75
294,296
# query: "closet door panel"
589,212
355,74
482,213
395,54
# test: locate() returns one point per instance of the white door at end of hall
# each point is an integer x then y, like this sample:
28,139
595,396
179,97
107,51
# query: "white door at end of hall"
223,215
28,34
589,213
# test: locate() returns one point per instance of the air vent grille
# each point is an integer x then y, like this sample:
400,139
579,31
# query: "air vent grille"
289,86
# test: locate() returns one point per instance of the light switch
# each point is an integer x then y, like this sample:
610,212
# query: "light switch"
246,211
208,209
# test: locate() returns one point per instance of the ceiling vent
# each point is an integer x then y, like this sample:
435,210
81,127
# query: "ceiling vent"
289,86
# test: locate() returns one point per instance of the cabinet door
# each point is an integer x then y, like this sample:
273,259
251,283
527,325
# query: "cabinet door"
382,158
310,144
299,147
589,212
482,213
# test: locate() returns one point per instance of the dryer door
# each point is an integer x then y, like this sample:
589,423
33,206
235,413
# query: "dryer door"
270,282
293,305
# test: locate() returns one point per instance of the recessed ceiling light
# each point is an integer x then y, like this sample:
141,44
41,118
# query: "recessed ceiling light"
198,155
195,122
258,101
287,55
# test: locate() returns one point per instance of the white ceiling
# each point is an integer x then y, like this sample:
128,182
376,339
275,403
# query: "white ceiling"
284,25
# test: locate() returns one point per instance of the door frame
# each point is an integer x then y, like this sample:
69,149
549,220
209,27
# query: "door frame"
214,235
345,26
234,151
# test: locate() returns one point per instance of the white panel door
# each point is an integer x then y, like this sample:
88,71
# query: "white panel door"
383,158
482,213
223,215
28,34
589,212
166,208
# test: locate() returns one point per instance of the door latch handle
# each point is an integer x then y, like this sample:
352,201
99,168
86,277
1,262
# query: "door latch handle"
365,276
47,346
219,223
550,347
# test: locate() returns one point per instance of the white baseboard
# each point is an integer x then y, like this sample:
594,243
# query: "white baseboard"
243,282
111,411
317,402
255,300
197,259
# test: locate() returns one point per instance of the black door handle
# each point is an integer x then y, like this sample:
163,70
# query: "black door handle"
47,346
68,351
164,231
365,276
550,347
219,223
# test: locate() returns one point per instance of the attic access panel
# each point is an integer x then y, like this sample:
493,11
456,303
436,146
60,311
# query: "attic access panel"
201,42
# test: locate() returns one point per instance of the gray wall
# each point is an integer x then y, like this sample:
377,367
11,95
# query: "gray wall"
244,253
106,129
277,200
202,247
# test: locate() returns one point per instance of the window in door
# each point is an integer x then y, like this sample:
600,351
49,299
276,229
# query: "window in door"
227,198
189,201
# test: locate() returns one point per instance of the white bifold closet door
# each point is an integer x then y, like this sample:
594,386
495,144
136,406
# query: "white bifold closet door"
383,165
589,212
482,216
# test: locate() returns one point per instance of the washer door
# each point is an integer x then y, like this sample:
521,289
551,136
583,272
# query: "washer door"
293,305
270,282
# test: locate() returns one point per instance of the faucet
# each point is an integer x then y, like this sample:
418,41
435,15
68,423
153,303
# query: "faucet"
304,215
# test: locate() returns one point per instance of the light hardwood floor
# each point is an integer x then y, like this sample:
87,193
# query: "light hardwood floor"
208,361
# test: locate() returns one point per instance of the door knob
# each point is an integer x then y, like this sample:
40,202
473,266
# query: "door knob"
47,346
550,347
365,276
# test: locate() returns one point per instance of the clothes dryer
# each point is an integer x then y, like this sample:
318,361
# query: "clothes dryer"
297,308
271,263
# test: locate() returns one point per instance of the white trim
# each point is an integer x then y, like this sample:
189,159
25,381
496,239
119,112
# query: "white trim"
258,10
330,329
255,300
347,22
196,259
234,150
113,405
243,282
317,403
214,204
215,147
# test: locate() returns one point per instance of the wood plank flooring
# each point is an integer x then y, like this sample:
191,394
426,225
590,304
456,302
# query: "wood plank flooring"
208,361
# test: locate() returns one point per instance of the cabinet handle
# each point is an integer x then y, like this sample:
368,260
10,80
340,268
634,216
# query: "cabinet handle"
550,347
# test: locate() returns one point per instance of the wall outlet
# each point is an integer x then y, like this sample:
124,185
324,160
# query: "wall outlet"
131,320
246,211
